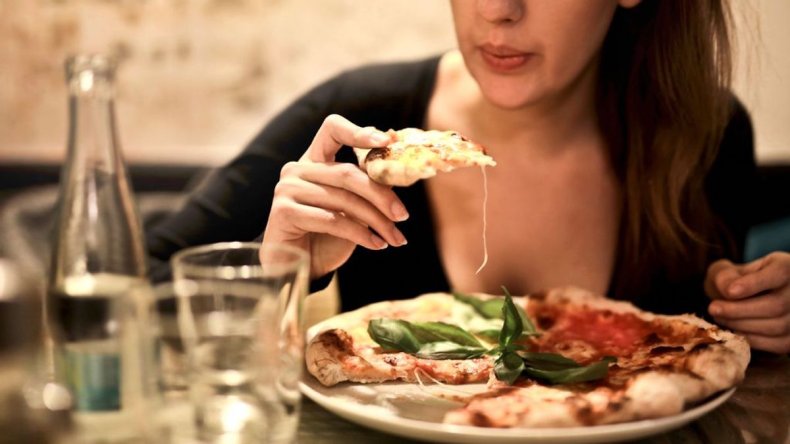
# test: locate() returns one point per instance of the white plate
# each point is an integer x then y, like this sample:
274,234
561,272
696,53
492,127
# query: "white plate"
412,411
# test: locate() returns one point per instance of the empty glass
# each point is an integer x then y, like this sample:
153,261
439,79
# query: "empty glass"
239,318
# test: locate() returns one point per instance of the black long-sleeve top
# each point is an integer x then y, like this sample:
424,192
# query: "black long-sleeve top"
234,202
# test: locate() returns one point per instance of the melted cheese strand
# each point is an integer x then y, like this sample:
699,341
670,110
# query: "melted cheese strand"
433,393
485,219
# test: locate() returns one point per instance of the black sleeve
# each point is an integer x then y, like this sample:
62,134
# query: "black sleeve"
233,203
731,184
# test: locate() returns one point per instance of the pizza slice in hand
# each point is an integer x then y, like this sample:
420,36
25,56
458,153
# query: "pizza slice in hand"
416,154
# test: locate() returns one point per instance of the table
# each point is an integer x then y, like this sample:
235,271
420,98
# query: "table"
758,412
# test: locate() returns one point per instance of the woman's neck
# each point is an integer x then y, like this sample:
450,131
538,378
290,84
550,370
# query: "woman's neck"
548,126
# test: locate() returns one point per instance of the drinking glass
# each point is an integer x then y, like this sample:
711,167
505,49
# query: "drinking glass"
240,319
167,372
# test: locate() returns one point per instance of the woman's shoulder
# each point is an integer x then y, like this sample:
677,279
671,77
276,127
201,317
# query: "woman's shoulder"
737,141
740,122
389,75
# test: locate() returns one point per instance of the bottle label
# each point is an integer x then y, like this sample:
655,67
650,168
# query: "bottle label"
94,380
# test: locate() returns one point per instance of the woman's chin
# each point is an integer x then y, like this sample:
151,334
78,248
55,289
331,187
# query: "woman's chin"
510,99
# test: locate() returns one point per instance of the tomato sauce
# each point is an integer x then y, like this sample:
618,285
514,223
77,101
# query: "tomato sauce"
609,333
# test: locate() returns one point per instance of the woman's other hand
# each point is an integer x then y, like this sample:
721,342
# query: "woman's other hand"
328,208
753,299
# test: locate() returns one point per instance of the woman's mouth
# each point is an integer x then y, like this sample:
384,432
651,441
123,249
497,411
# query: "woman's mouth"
503,58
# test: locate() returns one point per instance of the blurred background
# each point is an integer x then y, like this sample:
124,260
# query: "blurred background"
199,78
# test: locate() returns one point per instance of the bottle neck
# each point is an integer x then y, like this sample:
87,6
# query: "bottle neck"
92,135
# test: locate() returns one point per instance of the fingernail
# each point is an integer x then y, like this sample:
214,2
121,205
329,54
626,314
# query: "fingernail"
736,290
399,238
378,242
379,138
399,211
715,309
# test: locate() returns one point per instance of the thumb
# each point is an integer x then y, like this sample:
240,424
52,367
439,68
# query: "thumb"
719,277
337,131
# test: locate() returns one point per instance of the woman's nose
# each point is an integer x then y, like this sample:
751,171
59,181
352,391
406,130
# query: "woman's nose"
501,11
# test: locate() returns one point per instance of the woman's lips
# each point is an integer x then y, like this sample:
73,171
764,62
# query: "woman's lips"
502,58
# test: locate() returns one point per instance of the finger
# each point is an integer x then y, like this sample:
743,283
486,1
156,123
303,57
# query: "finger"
719,276
307,219
778,344
770,305
765,327
757,264
344,201
773,275
350,177
337,131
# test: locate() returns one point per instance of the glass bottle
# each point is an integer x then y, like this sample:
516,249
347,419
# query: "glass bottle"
98,265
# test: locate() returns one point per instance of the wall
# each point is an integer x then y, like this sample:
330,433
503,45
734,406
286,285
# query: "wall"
762,77
198,78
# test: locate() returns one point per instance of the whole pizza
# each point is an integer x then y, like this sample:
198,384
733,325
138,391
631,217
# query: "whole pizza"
562,358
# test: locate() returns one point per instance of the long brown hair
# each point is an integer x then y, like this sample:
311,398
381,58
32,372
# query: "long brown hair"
664,104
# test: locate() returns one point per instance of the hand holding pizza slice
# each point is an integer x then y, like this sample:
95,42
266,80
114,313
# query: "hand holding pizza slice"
328,207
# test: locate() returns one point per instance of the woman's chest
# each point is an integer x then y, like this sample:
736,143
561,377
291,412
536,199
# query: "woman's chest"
538,228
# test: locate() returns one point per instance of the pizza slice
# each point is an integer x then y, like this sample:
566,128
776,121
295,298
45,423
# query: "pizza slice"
341,349
664,364
415,154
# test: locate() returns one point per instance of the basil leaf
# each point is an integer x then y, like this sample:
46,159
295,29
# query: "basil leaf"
528,326
440,331
400,335
590,372
487,308
508,368
513,326
394,334
491,334
507,348
449,350
548,361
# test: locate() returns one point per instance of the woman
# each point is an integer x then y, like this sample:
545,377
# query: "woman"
624,166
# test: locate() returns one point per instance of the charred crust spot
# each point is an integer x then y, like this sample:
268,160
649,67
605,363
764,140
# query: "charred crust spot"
538,296
700,347
389,359
480,419
336,339
581,409
652,339
663,349
377,153
545,321
616,405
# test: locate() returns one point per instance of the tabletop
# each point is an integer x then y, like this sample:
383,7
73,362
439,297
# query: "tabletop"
758,412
